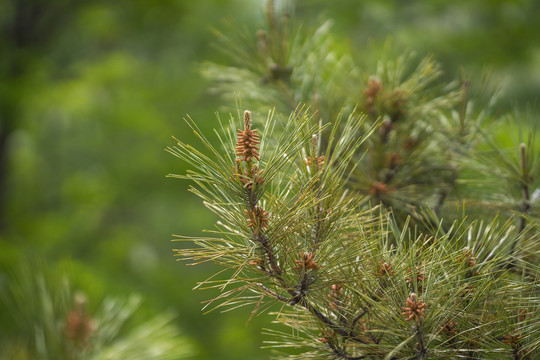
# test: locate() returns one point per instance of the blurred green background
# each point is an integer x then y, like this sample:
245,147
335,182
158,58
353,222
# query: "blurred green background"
92,91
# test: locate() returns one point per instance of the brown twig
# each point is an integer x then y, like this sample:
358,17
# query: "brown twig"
526,201
341,353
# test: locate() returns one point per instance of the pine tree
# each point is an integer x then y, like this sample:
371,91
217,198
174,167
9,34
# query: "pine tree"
355,203
52,321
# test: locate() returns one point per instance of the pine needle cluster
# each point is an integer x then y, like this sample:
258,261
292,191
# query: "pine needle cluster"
55,322
338,215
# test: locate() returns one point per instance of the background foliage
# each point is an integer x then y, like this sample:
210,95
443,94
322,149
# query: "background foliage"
91,91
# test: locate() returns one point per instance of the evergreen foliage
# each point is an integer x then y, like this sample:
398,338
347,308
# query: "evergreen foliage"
357,214
54,322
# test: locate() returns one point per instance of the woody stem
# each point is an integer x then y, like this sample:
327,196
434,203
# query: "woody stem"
343,354
526,200
421,352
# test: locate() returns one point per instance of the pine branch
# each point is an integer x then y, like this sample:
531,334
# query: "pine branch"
297,221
